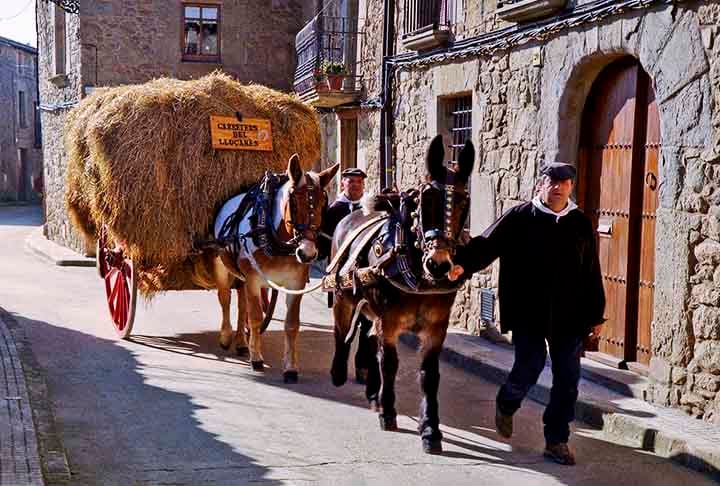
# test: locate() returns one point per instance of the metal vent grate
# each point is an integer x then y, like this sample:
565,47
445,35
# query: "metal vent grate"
487,305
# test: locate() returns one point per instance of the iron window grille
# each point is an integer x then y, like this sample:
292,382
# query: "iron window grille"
422,15
201,33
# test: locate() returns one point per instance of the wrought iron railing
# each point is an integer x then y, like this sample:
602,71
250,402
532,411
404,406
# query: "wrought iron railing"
327,42
422,15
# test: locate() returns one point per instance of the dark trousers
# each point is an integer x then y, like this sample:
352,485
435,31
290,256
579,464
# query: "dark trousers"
530,355
364,356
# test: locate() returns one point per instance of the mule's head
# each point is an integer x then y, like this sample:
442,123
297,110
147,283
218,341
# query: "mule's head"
442,208
304,205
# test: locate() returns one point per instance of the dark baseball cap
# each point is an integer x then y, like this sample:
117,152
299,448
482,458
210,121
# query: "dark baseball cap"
558,170
353,172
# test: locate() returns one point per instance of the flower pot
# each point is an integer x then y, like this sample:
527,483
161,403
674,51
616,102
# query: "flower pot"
335,81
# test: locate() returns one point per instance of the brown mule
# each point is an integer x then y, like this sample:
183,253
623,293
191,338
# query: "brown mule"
297,211
416,300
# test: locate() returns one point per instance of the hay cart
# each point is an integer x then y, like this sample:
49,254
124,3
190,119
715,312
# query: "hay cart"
149,168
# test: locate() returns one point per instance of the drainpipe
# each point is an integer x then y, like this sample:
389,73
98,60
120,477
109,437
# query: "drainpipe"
387,172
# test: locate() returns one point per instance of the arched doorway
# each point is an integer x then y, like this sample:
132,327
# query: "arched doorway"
618,189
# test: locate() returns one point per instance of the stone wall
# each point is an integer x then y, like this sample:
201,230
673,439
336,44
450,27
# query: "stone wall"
57,95
527,107
137,40
17,73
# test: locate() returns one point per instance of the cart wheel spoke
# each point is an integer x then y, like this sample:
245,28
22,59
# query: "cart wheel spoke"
120,280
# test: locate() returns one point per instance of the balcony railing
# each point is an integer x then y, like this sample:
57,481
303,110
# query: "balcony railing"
327,44
427,23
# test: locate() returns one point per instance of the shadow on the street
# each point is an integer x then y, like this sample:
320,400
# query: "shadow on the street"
467,420
115,426
20,215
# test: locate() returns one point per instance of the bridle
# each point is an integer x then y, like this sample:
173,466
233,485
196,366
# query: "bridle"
304,207
434,226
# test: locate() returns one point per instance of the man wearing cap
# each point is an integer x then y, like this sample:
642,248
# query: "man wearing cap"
550,289
352,186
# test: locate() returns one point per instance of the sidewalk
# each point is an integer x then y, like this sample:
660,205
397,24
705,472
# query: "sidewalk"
19,458
609,399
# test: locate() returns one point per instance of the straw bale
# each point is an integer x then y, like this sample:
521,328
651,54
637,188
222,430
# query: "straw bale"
142,163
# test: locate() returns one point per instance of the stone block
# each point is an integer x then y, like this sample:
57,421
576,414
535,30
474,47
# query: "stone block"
706,293
707,357
707,381
685,114
660,370
708,252
678,376
706,322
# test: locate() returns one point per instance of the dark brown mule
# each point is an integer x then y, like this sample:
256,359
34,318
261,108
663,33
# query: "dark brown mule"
424,227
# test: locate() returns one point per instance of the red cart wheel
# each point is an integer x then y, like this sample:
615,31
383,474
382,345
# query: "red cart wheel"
120,279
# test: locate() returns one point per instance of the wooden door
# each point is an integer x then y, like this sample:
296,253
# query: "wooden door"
614,158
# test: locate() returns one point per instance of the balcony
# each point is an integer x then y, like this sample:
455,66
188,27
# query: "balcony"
326,74
526,10
427,23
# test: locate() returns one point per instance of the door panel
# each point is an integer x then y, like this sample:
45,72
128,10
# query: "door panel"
608,135
650,184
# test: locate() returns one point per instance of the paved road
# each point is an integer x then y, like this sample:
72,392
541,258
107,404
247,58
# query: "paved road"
170,407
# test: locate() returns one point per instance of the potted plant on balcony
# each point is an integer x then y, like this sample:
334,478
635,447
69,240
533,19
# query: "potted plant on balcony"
335,72
321,82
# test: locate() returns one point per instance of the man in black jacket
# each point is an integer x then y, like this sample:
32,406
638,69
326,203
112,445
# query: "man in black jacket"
352,186
550,289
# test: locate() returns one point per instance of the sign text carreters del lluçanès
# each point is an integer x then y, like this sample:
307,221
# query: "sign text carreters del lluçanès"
228,133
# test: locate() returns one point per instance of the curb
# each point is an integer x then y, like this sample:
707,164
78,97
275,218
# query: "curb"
54,253
649,434
53,459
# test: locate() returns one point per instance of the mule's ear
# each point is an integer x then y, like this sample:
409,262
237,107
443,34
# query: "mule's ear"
435,159
328,175
294,170
466,162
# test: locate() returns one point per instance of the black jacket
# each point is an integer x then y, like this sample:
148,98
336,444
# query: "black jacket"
550,279
334,213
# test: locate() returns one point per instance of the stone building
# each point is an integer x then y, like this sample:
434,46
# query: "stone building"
87,44
629,91
20,152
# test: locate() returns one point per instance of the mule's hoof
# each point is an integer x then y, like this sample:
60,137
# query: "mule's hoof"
224,346
242,351
258,365
361,375
374,405
338,378
432,446
290,377
388,424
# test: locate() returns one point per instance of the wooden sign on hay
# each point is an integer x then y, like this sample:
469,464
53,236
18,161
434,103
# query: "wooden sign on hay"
229,133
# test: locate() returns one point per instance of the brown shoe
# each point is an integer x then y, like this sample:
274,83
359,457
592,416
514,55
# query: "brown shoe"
503,424
560,453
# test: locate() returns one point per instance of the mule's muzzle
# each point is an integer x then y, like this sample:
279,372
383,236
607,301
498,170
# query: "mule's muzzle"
437,270
306,252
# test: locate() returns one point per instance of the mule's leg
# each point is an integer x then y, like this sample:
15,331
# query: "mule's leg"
342,314
292,329
388,369
372,387
429,378
223,282
255,318
241,347
226,335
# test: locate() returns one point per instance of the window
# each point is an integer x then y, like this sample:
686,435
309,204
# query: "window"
460,118
21,109
201,39
60,40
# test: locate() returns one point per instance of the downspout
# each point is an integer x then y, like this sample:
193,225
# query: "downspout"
387,171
